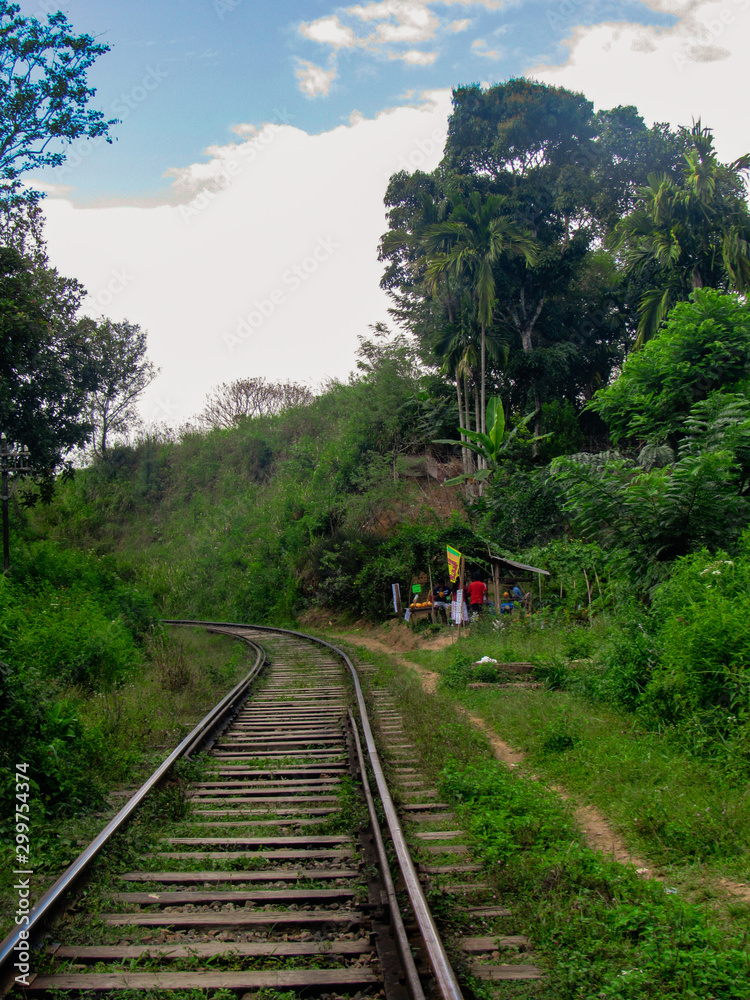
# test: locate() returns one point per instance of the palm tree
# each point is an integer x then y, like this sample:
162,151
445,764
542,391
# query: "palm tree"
465,246
695,229
456,347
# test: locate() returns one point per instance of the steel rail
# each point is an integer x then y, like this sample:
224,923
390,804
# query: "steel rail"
438,959
28,934
402,941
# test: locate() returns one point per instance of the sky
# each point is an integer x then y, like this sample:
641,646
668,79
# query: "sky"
237,214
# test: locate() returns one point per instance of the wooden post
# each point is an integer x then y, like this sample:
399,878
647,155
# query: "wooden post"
588,590
433,614
496,587
398,607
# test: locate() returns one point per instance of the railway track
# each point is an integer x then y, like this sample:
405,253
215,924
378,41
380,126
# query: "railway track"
278,876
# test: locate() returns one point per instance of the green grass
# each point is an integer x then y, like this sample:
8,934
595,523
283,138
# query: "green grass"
685,811
599,929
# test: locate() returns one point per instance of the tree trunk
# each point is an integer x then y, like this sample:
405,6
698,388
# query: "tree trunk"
484,401
480,460
105,430
464,451
537,422
467,411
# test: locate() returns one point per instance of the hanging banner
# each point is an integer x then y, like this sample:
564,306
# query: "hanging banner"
459,612
454,563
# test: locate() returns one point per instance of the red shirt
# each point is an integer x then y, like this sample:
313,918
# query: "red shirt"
476,592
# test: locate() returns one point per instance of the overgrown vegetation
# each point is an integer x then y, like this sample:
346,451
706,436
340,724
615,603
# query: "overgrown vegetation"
599,929
83,740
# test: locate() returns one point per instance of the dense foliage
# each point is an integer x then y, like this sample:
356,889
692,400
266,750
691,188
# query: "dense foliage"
69,625
44,94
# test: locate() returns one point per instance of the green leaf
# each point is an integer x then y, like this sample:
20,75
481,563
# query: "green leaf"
496,422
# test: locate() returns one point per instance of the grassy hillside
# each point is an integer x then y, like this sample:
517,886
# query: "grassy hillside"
324,504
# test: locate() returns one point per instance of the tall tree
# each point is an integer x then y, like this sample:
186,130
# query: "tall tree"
536,147
118,351
44,93
46,367
690,230
440,317
478,233
566,176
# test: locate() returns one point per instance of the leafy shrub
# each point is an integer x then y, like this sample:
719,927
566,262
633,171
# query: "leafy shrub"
628,657
167,654
579,644
703,347
486,673
555,673
61,629
557,736
458,673
704,637
524,505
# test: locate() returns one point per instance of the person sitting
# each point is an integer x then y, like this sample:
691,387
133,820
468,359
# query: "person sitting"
477,593
441,597
506,605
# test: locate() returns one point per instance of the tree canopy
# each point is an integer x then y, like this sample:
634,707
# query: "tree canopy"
44,92
46,368
703,348
118,351
690,229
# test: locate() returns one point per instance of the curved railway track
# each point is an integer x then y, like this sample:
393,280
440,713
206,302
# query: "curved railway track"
279,878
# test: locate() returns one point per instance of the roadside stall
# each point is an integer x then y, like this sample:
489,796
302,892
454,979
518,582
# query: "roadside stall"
507,574
421,603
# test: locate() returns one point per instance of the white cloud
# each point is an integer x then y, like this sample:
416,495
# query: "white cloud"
415,57
671,74
330,31
392,23
282,258
314,81
480,48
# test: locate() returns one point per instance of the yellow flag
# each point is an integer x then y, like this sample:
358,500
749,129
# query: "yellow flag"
454,563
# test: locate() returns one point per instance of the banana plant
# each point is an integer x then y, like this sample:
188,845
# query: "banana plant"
492,446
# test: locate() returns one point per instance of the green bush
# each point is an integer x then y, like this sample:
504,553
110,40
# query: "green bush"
68,625
704,347
486,673
628,657
703,612
458,673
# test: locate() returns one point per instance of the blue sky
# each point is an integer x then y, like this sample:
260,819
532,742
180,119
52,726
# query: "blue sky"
182,73
237,216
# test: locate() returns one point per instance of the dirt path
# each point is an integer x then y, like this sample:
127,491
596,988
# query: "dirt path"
598,831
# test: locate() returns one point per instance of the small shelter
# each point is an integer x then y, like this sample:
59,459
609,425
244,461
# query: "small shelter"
509,573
